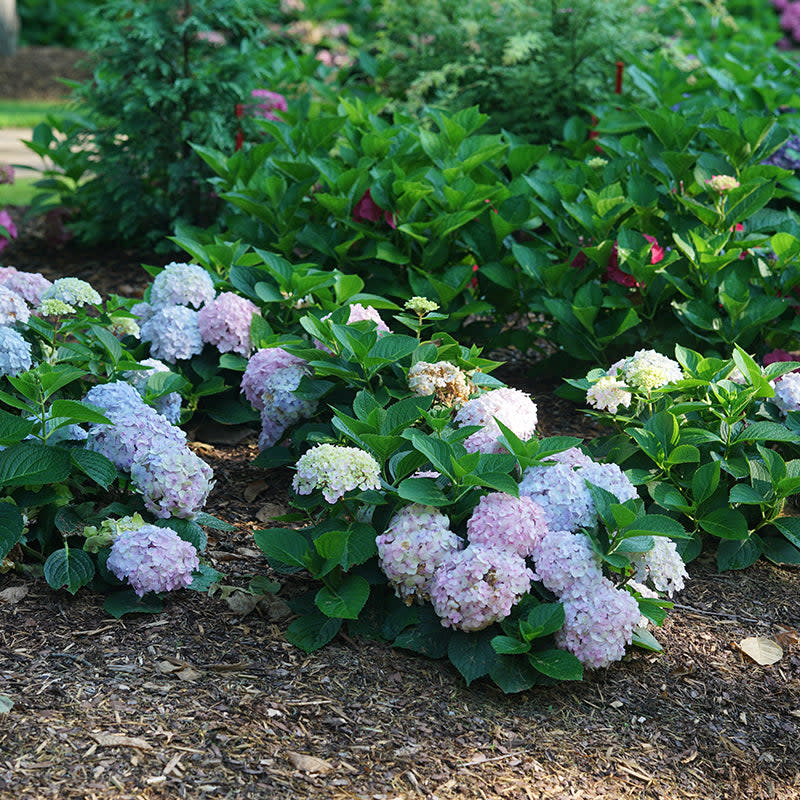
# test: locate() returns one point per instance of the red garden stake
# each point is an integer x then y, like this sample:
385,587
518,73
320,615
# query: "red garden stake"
617,90
239,112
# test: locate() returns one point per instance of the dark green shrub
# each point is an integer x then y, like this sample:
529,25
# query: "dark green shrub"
529,66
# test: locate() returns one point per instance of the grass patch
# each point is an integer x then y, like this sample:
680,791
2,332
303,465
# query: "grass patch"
26,113
20,193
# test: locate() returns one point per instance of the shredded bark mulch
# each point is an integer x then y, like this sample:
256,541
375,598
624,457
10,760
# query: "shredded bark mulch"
208,700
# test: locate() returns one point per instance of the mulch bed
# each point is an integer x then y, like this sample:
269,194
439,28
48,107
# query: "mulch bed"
208,700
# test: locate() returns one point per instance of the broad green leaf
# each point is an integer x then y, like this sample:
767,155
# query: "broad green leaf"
70,568
766,432
544,619
509,645
128,602
188,530
472,654
11,527
644,639
33,463
312,631
14,428
95,465
204,577
346,600
558,664
423,491
284,545
725,523
738,554
514,674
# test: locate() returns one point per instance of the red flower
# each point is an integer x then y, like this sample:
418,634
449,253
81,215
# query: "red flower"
614,273
656,250
367,210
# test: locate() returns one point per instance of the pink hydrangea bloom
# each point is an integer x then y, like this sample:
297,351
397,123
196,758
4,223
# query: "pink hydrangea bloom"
412,547
662,566
567,564
29,285
225,323
512,523
513,408
599,624
153,559
475,587
13,307
269,103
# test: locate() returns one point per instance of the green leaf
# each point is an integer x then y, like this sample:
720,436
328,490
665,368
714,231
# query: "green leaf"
705,481
742,493
766,432
428,637
788,526
13,428
94,465
544,619
509,645
312,631
738,554
128,602
644,639
331,547
204,578
11,527
6,704
558,664
423,491
345,601
779,551
68,568
77,412
209,521
725,523
188,530
472,654
33,463
284,545
514,674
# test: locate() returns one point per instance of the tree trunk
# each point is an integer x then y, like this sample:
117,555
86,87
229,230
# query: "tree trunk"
9,27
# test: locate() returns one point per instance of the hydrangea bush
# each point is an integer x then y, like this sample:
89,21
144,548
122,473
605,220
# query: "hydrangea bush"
98,486
715,443
438,520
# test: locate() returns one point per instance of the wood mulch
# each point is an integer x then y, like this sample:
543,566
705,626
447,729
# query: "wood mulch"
208,700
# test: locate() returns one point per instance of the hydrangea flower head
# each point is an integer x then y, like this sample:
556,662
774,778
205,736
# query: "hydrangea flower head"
153,559
511,523
662,565
447,383
13,307
29,285
73,292
561,493
787,392
420,306
259,367
15,352
611,478
647,370
335,470
474,587
170,404
513,408
608,393
282,407
117,398
567,564
8,224
722,183
225,323
173,334
182,285
599,624
174,481
50,307
124,326
412,547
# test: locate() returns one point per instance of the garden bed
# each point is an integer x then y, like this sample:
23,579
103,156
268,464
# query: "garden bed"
206,700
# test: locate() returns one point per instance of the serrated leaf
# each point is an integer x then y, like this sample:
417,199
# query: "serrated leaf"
312,631
33,463
128,602
284,545
472,654
725,523
344,601
68,569
11,527
558,664
95,465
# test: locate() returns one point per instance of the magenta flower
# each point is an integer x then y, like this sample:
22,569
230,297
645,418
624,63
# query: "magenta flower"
270,102
367,210
7,223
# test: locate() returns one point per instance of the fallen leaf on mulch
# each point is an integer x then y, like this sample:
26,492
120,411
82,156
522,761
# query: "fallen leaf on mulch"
13,594
269,511
6,704
308,763
241,603
120,740
254,489
762,650
188,673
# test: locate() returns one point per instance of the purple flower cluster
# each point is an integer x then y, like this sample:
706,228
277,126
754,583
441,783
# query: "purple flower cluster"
173,333
15,352
269,382
412,548
225,323
171,478
474,587
513,408
269,102
516,524
562,491
182,285
787,156
152,559
789,11
13,307
170,404
787,392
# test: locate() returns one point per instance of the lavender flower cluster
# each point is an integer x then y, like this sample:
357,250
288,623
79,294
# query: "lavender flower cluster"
171,478
269,382
152,559
184,314
475,583
513,408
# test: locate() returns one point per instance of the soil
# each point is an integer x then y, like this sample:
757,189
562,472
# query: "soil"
208,700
